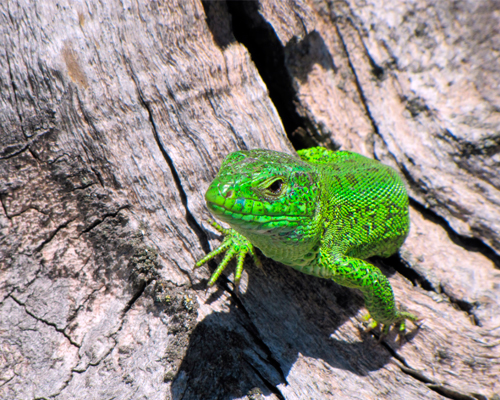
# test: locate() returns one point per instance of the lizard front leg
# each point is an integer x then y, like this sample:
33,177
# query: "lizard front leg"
234,245
377,291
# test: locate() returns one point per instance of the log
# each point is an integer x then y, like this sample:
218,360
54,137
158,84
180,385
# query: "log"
115,117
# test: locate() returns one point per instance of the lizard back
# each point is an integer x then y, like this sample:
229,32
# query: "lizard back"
364,202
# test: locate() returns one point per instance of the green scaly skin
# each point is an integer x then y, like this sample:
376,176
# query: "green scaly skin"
322,214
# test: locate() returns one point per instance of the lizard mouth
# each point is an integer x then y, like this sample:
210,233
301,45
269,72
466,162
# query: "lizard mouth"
219,209
241,218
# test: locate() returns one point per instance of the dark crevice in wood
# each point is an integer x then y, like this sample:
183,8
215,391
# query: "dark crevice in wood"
7,296
416,279
144,271
377,71
102,219
186,273
112,336
15,149
33,154
27,284
417,186
359,89
445,391
53,325
53,234
468,243
258,36
98,175
252,329
64,385
74,314
409,273
8,380
63,155
23,211
135,297
406,368
97,362
68,381
193,224
82,187
464,306
273,389
202,237
452,394
3,206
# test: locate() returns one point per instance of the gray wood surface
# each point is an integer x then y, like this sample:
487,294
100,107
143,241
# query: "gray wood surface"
114,118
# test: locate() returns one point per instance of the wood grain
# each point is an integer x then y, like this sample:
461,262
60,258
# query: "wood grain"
114,118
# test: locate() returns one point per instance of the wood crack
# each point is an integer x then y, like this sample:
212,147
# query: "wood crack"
269,385
401,266
417,279
254,333
135,297
74,314
53,234
15,149
112,336
51,324
202,237
4,207
102,219
22,211
466,242
443,389
356,79
257,35
463,305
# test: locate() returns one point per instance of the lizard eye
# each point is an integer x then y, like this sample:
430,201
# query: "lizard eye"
276,186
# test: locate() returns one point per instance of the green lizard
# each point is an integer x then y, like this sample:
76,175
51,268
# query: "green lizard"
322,214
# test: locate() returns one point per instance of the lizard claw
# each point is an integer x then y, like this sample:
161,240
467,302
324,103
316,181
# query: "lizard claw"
385,328
371,324
235,246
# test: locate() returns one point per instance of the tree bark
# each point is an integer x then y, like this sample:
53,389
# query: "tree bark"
115,117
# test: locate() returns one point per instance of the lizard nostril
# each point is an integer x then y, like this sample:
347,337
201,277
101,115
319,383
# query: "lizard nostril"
229,193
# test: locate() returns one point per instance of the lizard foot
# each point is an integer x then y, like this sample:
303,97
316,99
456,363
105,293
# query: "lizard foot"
234,245
400,321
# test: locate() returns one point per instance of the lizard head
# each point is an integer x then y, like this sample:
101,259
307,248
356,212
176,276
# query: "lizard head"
264,192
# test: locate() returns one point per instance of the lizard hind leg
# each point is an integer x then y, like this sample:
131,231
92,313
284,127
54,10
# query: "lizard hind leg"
385,328
377,291
371,324
403,316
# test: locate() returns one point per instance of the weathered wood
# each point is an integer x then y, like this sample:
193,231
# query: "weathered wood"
114,118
